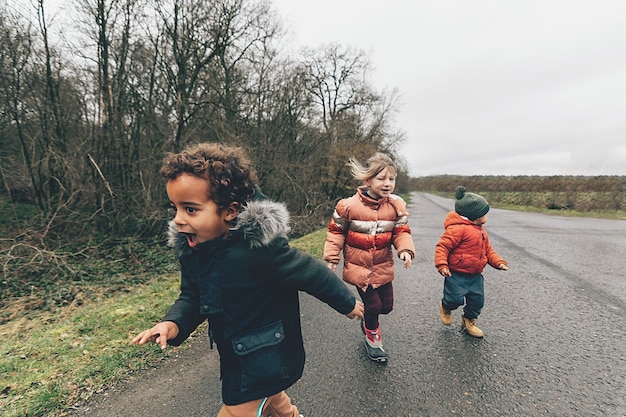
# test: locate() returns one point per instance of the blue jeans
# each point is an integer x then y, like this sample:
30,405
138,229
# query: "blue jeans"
465,289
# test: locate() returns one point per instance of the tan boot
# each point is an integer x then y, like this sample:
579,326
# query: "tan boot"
445,315
469,326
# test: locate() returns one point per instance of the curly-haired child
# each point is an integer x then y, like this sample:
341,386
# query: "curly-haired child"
239,273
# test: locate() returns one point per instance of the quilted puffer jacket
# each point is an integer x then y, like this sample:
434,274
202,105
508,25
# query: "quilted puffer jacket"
246,285
365,229
464,247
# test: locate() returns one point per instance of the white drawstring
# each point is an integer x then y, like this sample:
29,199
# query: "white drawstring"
258,413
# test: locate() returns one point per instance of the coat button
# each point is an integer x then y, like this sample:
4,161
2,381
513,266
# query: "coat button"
277,335
239,347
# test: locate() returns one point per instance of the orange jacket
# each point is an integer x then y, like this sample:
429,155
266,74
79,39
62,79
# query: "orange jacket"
364,229
464,247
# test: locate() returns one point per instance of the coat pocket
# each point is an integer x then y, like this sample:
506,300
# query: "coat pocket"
260,356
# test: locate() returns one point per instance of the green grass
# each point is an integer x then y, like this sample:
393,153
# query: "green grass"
50,362
312,243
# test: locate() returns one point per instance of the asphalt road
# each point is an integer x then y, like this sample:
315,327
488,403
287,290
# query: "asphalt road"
554,345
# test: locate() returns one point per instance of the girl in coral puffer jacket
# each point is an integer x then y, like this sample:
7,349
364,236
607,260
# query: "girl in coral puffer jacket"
365,227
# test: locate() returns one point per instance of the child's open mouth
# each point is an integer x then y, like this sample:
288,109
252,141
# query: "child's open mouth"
192,239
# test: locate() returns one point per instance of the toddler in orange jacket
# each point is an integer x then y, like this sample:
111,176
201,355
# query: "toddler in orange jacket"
461,254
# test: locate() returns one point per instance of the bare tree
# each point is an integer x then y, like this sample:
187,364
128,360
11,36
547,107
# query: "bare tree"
191,37
203,51
16,50
127,126
336,77
354,118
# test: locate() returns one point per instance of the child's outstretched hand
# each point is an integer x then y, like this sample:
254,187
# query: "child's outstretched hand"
357,313
445,272
331,266
406,258
503,267
159,334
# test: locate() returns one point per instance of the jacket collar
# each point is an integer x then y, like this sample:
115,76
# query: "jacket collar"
366,199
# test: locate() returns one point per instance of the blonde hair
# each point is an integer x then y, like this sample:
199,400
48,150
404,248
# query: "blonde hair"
375,164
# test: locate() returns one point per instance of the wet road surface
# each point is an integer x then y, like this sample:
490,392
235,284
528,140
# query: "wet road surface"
554,345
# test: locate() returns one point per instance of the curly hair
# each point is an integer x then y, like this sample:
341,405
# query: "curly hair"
375,164
227,169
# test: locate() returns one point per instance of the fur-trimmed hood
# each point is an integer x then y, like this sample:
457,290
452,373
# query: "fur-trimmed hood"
260,221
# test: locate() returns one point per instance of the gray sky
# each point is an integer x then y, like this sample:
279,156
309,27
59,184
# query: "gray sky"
496,87
532,87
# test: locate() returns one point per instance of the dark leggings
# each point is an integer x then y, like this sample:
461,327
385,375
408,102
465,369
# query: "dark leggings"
377,301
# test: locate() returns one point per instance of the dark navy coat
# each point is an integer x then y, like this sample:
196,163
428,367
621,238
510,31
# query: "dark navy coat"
246,285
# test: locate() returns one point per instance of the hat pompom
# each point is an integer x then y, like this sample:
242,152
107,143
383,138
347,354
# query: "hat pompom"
460,192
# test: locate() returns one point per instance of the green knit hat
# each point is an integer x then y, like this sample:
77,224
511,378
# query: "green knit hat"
470,205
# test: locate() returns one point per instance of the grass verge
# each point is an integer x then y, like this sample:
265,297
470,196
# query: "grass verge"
63,357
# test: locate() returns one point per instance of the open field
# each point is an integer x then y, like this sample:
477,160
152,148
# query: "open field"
604,205
603,196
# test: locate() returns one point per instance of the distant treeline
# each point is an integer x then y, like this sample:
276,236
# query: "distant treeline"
580,193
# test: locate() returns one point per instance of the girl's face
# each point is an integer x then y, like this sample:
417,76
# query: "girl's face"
382,184
198,217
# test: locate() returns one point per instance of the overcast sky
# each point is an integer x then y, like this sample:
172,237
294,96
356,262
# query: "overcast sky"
497,87
532,87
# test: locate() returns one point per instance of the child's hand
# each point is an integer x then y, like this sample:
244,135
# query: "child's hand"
160,334
503,267
445,272
406,258
357,312
331,266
